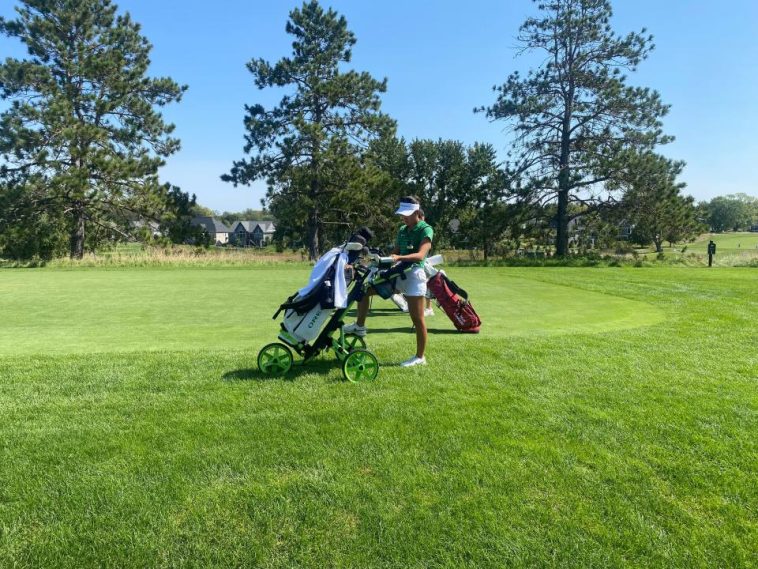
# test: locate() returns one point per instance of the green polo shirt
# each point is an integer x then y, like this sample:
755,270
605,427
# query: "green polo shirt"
409,240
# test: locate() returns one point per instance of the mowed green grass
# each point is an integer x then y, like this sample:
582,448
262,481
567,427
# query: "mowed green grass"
738,242
86,311
604,417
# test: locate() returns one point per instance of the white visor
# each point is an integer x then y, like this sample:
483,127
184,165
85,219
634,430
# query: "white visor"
406,208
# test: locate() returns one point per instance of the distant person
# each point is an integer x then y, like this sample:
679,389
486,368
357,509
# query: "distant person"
711,252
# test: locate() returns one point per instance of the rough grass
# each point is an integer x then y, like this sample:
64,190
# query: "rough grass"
135,255
632,443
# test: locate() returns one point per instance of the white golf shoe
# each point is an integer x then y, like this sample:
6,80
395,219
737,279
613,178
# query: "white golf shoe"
414,361
355,330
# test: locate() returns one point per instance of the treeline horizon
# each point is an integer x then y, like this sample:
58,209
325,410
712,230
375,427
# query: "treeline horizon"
83,139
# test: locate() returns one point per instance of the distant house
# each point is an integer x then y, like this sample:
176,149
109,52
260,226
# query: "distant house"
152,226
754,227
575,225
625,231
241,230
577,232
216,230
253,233
263,233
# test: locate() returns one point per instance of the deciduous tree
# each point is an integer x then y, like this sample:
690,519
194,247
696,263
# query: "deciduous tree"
732,212
485,214
653,202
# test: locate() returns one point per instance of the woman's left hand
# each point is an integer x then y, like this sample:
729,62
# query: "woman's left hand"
395,258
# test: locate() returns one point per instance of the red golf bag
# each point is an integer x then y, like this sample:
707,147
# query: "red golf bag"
454,301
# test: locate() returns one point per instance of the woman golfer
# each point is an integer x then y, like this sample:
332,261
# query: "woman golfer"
414,241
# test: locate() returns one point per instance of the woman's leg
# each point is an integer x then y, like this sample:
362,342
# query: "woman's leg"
363,306
362,311
416,310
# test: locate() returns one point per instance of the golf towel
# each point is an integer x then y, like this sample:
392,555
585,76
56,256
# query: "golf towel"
321,270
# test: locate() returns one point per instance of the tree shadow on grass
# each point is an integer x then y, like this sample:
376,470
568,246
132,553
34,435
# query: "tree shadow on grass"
378,312
319,367
410,330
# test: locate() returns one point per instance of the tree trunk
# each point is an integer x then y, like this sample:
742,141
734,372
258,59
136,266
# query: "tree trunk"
77,233
561,240
485,241
564,177
313,241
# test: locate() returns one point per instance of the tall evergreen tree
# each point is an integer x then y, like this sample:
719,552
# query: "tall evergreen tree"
82,139
303,146
575,116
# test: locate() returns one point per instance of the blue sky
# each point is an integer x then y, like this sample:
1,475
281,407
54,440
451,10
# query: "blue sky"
441,59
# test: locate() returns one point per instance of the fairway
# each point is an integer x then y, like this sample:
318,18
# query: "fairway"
739,242
61,312
604,417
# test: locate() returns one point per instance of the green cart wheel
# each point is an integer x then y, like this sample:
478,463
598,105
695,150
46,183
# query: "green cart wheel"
275,359
353,342
360,365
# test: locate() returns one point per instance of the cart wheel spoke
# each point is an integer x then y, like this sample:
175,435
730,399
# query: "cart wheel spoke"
360,365
353,342
275,359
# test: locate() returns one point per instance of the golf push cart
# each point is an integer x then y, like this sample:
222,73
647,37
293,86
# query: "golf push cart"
313,316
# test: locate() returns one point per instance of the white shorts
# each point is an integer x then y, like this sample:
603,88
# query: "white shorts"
414,283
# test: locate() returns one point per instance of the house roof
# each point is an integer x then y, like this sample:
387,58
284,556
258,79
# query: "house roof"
210,224
267,226
246,225
140,223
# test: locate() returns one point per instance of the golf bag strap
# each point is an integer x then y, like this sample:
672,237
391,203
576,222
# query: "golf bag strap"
301,305
398,270
323,294
283,306
455,288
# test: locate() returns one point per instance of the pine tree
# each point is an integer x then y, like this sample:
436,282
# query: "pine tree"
82,139
575,117
304,146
